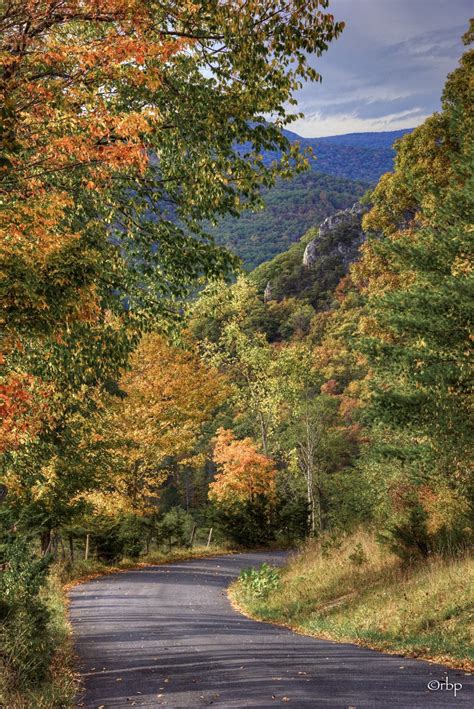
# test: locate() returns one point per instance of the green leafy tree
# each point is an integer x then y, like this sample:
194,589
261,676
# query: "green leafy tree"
418,326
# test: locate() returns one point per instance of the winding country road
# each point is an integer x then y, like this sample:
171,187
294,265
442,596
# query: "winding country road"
167,636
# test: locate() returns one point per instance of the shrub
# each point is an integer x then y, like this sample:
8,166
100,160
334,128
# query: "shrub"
260,582
27,643
175,528
247,524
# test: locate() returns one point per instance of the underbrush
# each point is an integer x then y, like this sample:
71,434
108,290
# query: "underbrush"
359,592
36,652
36,666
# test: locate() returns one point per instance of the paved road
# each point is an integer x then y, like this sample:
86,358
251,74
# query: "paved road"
167,636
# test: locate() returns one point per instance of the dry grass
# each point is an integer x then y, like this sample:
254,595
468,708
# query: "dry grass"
358,592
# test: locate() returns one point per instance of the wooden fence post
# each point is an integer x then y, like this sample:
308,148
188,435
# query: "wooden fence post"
86,553
209,538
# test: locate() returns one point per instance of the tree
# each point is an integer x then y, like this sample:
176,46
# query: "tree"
244,490
244,473
155,422
319,442
243,353
417,329
118,133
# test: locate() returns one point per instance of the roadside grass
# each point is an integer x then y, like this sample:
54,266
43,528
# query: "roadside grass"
358,592
60,689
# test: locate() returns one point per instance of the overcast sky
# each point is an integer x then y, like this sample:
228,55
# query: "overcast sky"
387,69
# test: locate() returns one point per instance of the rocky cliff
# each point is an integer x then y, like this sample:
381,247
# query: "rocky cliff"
341,225
311,269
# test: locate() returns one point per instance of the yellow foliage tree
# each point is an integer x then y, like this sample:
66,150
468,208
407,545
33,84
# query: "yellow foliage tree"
166,397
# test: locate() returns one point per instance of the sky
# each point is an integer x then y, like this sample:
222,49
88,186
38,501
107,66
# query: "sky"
387,69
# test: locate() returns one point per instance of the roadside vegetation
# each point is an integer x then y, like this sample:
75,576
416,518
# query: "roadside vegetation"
356,591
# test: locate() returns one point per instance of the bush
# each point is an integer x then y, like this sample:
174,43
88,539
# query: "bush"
247,524
259,583
409,539
27,643
292,519
115,539
175,528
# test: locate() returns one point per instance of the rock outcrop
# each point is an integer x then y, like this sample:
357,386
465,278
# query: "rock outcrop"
267,293
339,223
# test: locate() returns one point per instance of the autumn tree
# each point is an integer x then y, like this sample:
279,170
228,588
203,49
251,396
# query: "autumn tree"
416,332
237,348
244,489
118,129
155,423
244,473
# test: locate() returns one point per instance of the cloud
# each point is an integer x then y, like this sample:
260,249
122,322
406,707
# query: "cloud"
318,125
387,69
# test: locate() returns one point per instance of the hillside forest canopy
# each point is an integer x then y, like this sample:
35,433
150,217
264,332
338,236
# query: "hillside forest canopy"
148,387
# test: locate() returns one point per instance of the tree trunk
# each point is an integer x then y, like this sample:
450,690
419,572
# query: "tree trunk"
264,434
45,541
310,497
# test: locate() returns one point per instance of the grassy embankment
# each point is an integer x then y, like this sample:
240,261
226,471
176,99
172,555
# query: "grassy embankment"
360,593
60,689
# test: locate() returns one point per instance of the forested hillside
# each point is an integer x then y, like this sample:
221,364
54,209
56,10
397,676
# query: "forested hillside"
312,267
356,156
291,208
342,169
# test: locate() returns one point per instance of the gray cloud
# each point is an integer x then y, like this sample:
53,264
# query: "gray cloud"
387,69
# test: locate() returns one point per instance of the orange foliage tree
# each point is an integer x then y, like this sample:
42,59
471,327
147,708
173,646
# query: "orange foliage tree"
244,473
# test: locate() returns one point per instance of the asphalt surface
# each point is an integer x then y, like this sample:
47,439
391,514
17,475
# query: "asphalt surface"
167,636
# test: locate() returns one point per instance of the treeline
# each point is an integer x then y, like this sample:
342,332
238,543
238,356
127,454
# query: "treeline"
118,122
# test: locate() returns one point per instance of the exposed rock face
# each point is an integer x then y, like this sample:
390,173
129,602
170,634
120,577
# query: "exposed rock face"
267,293
339,223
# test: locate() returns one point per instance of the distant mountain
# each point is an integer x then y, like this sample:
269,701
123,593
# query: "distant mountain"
345,167
356,156
292,207
371,141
